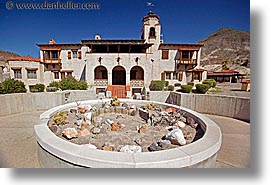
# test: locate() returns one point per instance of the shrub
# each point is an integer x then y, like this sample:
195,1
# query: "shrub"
38,88
71,83
210,82
82,85
158,85
12,86
202,88
185,89
60,118
171,88
115,101
54,84
191,83
166,83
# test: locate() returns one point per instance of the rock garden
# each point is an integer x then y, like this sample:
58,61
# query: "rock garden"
122,127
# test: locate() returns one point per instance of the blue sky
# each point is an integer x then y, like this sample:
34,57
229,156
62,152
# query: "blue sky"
182,22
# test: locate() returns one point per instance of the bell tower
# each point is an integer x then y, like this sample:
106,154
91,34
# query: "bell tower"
151,31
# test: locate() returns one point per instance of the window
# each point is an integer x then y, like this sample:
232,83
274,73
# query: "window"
62,75
175,76
54,55
69,55
165,54
152,33
74,54
46,55
79,55
69,73
56,75
184,54
168,76
17,73
31,74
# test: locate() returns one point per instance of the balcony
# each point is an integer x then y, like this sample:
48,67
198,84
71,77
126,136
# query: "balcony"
186,61
101,82
52,60
51,56
137,83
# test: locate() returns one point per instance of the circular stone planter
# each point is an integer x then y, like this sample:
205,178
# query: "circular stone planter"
54,152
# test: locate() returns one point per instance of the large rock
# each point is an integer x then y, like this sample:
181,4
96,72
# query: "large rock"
142,128
176,137
143,114
82,110
116,126
130,149
180,124
132,112
164,143
154,147
108,148
88,116
55,129
70,133
96,130
190,121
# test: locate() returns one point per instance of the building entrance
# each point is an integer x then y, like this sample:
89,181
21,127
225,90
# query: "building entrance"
118,76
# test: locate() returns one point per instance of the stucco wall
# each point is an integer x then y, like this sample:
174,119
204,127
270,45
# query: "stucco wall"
27,102
229,106
24,65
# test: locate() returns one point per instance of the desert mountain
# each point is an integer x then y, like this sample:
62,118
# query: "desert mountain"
228,45
4,55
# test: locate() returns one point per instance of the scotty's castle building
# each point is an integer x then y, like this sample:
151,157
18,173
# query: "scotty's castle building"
122,67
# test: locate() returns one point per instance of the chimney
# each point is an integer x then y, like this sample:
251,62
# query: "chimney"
52,41
97,37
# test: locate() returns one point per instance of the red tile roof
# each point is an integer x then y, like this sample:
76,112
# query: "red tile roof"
197,70
25,58
228,71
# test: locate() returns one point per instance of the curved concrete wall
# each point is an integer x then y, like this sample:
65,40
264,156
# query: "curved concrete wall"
55,152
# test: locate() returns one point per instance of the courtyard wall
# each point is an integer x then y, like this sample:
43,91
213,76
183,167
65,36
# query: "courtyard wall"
228,106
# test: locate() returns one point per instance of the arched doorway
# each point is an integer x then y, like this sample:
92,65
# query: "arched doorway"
118,76
137,73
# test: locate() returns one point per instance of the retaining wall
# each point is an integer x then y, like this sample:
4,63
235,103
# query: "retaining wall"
28,102
229,106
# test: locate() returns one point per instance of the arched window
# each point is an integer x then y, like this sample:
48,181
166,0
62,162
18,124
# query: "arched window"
101,73
137,73
152,33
